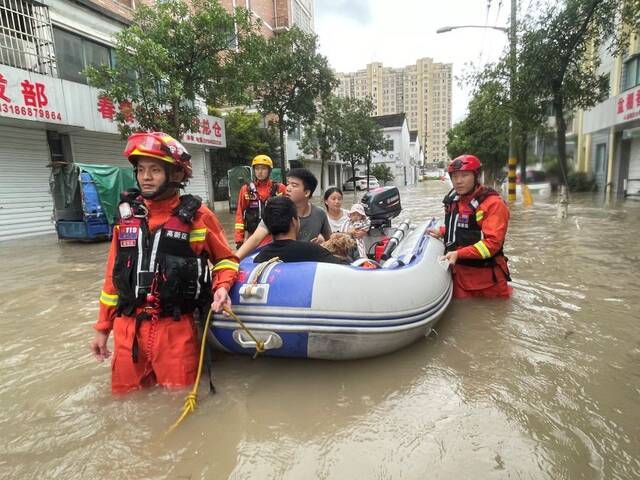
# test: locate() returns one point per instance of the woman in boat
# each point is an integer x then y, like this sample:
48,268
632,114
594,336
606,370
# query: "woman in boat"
335,213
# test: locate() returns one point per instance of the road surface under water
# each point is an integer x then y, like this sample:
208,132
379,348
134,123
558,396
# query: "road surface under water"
543,386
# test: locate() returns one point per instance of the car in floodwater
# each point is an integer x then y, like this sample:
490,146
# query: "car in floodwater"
537,182
361,183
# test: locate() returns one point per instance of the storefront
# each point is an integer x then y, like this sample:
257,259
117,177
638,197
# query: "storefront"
45,120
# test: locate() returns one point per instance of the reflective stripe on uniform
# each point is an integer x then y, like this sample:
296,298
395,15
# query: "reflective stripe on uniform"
226,263
239,226
108,299
197,235
479,215
482,249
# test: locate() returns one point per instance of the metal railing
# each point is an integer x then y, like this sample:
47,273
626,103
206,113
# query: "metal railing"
26,36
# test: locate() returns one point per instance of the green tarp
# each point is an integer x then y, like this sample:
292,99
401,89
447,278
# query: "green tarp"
110,182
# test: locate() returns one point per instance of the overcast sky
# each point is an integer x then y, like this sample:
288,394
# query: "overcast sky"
353,33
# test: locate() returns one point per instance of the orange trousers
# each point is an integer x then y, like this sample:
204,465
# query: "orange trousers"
167,353
483,282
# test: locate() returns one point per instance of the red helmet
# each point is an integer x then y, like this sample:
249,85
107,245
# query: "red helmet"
465,162
160,146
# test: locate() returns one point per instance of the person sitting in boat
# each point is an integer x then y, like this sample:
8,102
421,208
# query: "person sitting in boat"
476,221
314,226
358,225
281,218
333,205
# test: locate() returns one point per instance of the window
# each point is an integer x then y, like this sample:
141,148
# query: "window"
75,54
388,145
26,38
631,73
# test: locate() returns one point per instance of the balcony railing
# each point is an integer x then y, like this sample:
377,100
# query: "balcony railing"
26,36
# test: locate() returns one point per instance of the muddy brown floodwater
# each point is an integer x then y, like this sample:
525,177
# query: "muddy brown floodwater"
543,386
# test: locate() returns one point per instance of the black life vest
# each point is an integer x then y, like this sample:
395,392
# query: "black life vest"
253,213
161,268
462,231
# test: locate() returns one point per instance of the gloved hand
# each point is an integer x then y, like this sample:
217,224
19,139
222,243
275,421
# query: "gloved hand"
238,245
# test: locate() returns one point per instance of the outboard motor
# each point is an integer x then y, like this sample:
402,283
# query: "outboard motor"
395,239
381,205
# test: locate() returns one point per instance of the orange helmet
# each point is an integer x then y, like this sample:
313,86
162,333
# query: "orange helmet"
160,146
465,162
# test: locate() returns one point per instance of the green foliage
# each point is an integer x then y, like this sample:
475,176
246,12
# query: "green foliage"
559,55
581,182
246,138
173,53
357,135
485,131
382,173
318,138
290,77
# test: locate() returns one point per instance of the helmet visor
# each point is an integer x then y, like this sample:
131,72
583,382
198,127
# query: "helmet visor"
144,144
456,164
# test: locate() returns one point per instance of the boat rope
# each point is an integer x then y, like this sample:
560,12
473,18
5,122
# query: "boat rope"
259,343
191,401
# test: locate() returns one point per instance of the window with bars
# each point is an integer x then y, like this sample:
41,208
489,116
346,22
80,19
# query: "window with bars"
26,36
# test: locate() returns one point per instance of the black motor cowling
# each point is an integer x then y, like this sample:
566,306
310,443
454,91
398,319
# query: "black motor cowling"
381,205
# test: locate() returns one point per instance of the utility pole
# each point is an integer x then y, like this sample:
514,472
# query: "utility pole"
513,160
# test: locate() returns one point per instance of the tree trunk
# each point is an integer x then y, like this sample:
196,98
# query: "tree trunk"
368,160
523,158
561,138
282,152
353,175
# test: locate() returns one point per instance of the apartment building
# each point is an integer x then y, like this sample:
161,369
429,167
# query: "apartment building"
48,113
277,15
422,91
608,135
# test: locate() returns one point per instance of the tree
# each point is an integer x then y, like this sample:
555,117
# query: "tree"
382,173
172,55
246,138
292,77
357,135
485,130
559,52
318,139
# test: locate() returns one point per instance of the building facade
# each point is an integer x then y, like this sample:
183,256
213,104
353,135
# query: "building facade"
398,153
421,91
607,137
277,15
50,115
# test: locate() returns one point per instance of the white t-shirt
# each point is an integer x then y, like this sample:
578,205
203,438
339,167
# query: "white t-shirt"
336,225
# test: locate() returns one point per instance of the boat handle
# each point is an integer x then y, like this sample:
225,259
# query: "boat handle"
271,340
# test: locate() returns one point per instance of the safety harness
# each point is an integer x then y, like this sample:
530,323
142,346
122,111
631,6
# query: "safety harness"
253,213
159,273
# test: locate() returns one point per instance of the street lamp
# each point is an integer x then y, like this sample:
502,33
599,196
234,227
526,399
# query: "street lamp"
511,31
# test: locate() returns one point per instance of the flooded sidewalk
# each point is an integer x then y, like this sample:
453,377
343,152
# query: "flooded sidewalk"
545,385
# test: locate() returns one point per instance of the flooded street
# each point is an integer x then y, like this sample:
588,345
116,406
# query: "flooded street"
543,386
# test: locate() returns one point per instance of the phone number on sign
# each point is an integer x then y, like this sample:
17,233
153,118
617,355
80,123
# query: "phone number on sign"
31,112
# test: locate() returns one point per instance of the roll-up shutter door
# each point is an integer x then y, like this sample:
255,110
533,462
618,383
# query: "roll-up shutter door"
198,183
26,207
99,148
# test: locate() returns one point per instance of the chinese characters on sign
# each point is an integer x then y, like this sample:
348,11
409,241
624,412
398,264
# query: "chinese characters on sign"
31,102
628,106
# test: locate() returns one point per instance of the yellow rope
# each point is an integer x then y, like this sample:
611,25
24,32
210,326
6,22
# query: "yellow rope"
259,343
191,401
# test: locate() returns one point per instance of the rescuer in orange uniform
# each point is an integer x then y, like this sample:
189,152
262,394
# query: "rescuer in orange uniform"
476,221
157,272
253,196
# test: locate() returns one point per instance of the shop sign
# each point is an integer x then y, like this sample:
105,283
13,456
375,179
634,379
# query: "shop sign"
30,96
628,106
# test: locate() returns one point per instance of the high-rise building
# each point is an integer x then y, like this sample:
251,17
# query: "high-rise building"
422,91
277,15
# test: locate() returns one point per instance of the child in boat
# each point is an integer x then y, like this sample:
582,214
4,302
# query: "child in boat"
358,225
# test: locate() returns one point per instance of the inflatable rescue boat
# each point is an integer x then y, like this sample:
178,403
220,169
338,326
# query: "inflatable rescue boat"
337,312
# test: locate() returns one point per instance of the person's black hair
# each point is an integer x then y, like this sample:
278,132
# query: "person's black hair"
309,180
330,191
278,213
